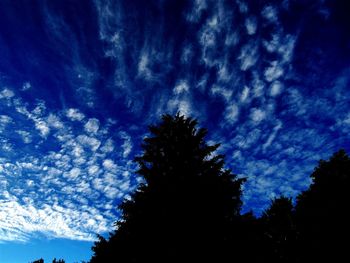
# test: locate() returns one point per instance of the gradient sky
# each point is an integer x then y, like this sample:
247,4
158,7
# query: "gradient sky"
81,80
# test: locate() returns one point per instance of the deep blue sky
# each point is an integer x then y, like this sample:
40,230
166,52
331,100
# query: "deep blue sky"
81,80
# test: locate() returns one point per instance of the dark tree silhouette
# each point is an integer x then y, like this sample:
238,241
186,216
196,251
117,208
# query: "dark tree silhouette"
58,261
322,212
186,207
279,231
53,261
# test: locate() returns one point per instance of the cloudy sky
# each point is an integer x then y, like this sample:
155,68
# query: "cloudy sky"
81,80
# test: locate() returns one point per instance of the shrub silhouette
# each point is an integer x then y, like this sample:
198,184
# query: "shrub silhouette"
186,206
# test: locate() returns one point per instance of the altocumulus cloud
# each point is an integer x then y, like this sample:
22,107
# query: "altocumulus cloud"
249,72
65,191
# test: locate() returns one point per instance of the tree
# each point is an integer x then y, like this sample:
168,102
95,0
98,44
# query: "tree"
185,206
322,212
58,261
279,231
53,261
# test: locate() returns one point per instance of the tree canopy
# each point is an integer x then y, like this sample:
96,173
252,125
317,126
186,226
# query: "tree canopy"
188,209
185,206
322,212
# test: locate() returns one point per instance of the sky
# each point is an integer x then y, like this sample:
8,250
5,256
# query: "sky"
80,81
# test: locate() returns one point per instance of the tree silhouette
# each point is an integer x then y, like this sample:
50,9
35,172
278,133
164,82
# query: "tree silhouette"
186,207
53,261
322,212
58,261
279,231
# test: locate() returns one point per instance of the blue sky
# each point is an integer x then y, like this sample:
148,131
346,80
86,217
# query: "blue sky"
81,80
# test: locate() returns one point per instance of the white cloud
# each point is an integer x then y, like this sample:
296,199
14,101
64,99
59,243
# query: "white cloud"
247,141
347,119
258,86
221,91
42,127
6,94
207,38
245,94
198,7
77,151
143,66
257,115
287,48
181,87
223,73
242,6
109,165
273,72
108,146
111,192
87,141
127,144
296,102
20,222
201,84
276,88
26,86
272,136
4,121
54,121
26,136
273,44
251,25
39,110
184,107
74,115
181,105
186,55
231,113
248,56
74,173
92,125
231,39
270,14
93,170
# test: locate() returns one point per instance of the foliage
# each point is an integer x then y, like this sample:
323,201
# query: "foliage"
279,231
188,209
53,261
184,208
322,212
